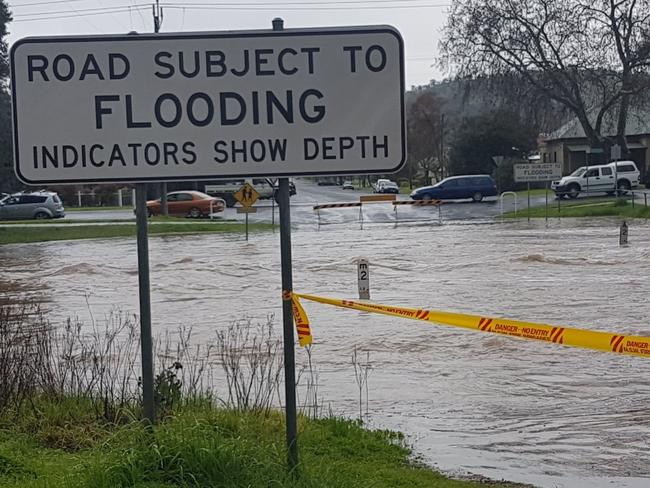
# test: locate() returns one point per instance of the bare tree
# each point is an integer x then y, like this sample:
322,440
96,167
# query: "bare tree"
425,134
625,24
592,56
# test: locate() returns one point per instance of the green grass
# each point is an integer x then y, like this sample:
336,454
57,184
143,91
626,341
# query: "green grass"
95,209
24,234
201,446
589,207
155,220
535,193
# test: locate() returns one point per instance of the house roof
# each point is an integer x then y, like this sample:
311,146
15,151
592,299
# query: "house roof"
638,123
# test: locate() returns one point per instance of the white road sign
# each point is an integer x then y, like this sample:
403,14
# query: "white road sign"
208,105
537,172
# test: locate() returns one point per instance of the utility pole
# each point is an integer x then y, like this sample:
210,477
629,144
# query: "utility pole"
157,22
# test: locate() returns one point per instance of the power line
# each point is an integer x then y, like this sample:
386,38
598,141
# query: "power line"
302,9
144,23
70,16
49,2
247,6
116,18
108,10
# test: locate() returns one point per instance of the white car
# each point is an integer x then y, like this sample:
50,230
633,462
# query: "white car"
347,185
386,186
622,175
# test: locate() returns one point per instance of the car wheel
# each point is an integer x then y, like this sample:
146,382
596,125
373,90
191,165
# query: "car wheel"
573,191
477,196
41,216
623,187
195,213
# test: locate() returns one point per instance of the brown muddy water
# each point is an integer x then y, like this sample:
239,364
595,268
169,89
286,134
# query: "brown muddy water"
497,406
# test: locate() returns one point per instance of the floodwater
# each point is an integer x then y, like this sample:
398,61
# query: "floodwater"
469,402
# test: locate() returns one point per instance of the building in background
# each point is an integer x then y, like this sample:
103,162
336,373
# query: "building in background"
569,145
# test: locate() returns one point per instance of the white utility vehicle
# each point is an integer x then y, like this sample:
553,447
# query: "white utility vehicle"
622,175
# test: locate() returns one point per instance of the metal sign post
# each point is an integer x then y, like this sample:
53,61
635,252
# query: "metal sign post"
546,202
616,155
146,347
287,320
287,312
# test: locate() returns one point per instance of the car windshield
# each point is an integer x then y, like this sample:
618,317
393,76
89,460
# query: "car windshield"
579,171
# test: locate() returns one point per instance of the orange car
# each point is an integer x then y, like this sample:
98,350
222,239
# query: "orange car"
188,203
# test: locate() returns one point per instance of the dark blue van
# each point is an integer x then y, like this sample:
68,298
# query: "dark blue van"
457,188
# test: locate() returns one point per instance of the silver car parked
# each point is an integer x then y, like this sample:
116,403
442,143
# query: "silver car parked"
35,205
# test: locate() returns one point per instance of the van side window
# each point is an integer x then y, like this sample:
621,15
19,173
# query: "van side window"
606,171
450,184
625,168
591,173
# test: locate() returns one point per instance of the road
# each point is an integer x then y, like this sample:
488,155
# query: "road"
310,194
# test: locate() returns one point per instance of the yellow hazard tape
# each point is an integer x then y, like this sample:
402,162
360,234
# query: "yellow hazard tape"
590,339
299,318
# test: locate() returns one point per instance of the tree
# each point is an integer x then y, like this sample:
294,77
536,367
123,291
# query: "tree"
8,179
480,138
592,56
425,127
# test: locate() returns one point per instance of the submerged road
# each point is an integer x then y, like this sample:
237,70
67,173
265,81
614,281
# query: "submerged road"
310,194
541,413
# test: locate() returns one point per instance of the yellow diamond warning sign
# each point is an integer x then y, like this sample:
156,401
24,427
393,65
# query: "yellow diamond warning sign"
247,195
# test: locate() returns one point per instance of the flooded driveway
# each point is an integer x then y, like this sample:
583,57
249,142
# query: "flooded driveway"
502,407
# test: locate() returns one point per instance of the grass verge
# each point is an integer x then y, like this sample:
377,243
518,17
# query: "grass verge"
201,446
589,207
536,192
14,234
96,209
156,219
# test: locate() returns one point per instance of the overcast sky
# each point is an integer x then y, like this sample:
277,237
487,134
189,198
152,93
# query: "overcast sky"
420,21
